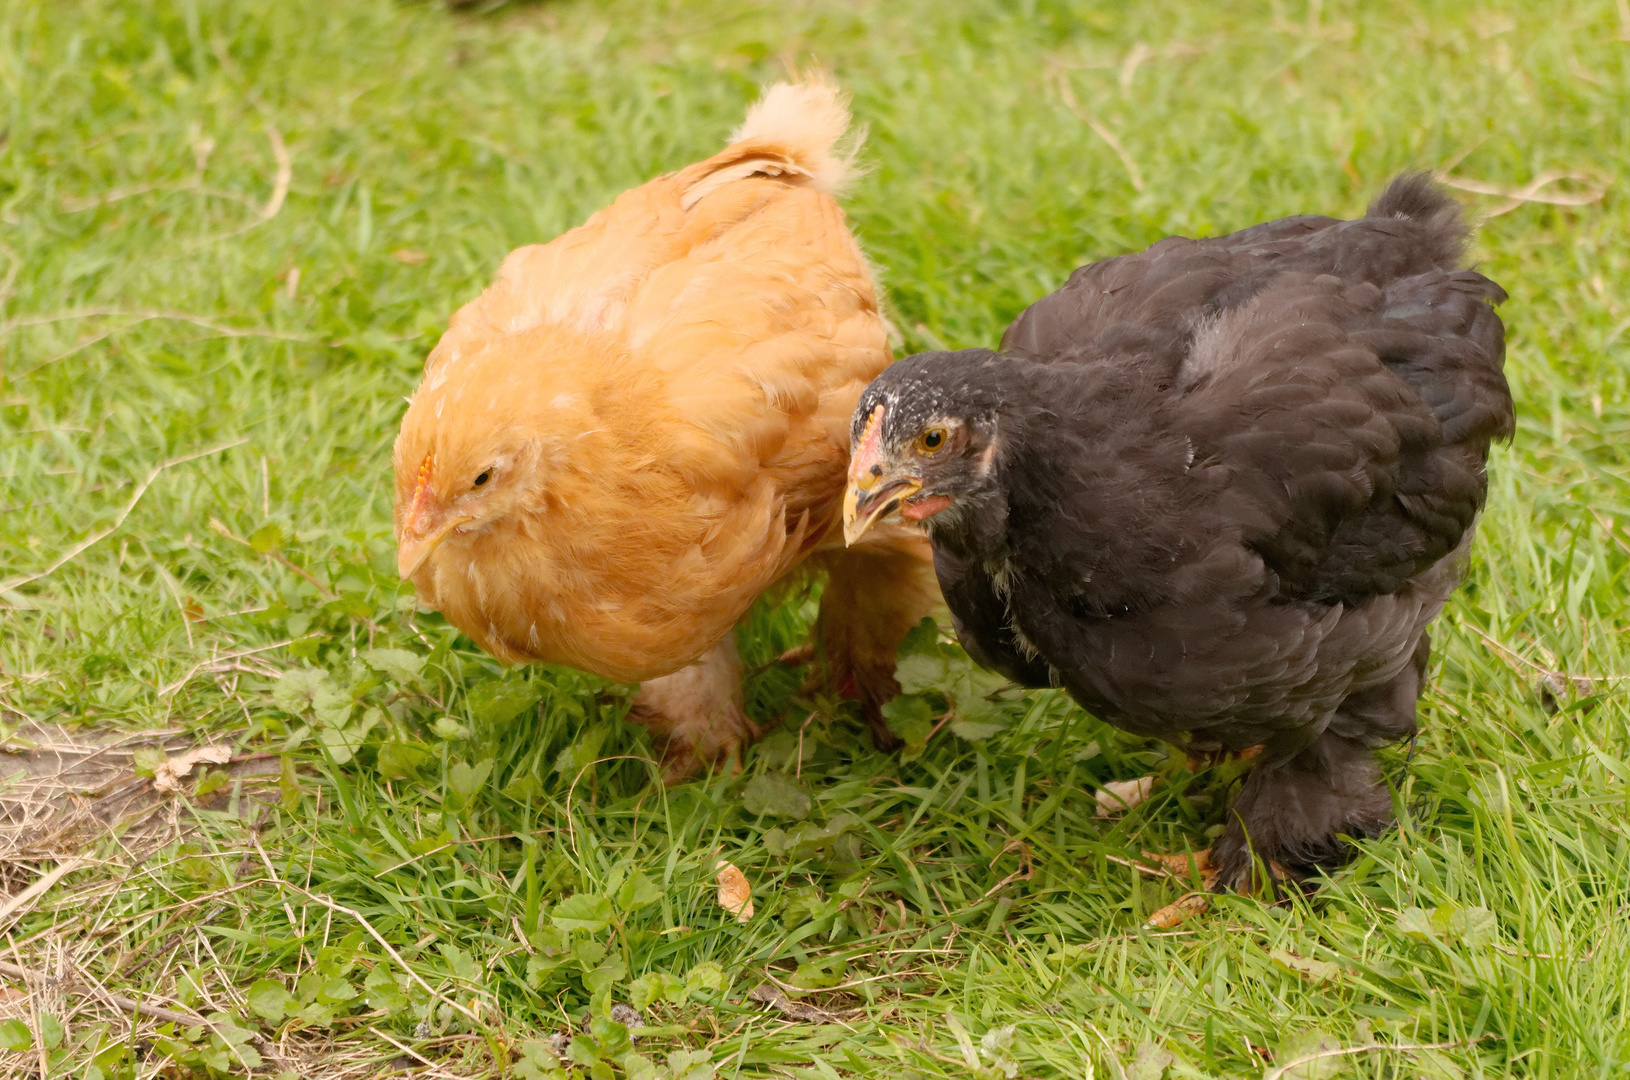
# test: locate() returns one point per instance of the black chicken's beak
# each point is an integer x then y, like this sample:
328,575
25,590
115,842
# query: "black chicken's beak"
870,493
861,507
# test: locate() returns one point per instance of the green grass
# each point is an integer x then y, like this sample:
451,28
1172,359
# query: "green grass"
147,313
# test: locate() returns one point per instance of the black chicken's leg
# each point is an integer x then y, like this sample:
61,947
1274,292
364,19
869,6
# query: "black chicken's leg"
1296,805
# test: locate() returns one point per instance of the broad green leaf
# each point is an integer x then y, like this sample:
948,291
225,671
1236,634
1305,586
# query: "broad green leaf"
461,963
338,746
922,672
447,728
995,1044
500,702
612,1035
539,968
147,760
267,538
210,781
1473,926
315,1014
466,780
637,892
639,1067
577,757
296,691
51,1031
912,719
611,971
401,665
538,1062
691,1065
588,953
655,986
335,991
1414,922
227,1031
1309,1055
707,975
819,974
381,991
331,706
1316,970
1150,1062
270,1000
776,794
973,730
401,760
308,986
523,787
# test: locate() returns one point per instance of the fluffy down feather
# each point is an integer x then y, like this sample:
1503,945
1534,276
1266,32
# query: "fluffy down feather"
642,425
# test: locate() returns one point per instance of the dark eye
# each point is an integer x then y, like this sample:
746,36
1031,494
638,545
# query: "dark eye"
483,478
932,439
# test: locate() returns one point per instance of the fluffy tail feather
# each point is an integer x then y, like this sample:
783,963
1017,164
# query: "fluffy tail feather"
790,135
804,121
1417,197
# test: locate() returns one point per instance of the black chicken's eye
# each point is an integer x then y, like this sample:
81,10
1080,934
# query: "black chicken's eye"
931,440
483,478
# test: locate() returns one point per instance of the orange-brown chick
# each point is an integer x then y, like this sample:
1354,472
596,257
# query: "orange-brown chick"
643,425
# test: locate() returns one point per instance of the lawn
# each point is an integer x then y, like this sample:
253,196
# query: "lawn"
229,233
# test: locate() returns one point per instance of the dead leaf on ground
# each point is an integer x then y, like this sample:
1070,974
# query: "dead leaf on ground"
768,994
1119,796
735,895
168,776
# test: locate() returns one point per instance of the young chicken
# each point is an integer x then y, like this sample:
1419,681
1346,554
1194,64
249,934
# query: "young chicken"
1217,490
643,425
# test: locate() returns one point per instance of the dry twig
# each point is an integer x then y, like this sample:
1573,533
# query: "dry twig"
102,534
18,905
1342,1051
1067,95
1533,191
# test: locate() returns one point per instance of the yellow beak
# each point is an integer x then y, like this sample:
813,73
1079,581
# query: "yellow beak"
862,508
868,494
413,549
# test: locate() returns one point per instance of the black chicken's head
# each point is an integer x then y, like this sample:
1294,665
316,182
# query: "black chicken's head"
924,440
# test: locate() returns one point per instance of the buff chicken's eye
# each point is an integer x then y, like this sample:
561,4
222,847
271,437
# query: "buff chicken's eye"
483,478
932,440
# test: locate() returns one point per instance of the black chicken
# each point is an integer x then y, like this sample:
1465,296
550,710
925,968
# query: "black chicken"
1216,490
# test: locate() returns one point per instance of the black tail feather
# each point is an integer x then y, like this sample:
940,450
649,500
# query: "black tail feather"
1417,197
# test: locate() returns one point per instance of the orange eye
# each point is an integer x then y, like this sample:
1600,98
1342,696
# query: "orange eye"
932,440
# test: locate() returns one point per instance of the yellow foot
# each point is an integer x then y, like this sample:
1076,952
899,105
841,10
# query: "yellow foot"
1183,867
1180,910
1197,762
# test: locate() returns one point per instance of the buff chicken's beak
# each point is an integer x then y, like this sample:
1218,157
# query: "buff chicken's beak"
870,492
425,527
415,547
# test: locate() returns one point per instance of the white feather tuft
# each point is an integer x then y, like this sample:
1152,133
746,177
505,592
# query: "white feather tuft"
804,121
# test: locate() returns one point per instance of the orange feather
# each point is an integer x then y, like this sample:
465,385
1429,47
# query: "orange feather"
642,425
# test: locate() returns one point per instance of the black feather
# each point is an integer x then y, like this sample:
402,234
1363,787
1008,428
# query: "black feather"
1232,480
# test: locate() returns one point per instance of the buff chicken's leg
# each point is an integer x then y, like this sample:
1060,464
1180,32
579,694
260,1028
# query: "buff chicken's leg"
874,596
696,714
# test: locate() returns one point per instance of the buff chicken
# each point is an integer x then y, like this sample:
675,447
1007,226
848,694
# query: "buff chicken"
1217,491
642,426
